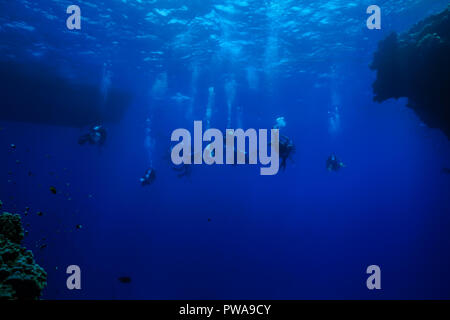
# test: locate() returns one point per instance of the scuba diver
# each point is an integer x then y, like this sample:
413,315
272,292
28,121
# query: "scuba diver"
183,170
286,146
149,177
286,149
96,135
236,152
333,163
280,122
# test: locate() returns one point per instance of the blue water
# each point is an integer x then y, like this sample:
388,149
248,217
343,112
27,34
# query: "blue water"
226,232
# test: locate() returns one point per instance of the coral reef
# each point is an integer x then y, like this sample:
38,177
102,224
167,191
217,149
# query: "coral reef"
20,277
11,227
416,65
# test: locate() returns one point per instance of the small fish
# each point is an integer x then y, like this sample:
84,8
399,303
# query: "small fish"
445,170
1,204
18,162
40,213
13,146
30,173
53,190
42,246
79,226
125,279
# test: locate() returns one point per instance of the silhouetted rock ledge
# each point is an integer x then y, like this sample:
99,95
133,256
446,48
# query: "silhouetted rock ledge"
36,93
416,65
20,277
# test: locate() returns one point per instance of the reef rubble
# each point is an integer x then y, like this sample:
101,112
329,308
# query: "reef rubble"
20,277
416,65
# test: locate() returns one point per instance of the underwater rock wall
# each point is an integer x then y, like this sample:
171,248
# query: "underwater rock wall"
20,277
416,65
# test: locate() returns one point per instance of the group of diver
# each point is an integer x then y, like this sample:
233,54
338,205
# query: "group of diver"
97,134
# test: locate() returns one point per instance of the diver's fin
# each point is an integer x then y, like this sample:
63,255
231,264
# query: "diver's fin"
83,139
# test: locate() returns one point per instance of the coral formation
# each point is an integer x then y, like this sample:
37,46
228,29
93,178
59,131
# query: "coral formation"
11,227
416,65
20,276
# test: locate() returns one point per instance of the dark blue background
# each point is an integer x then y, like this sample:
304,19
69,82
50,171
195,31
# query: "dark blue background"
305,233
